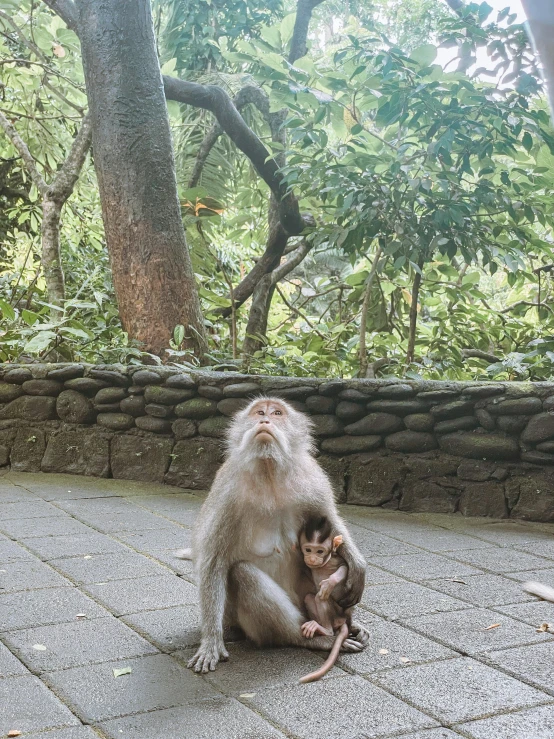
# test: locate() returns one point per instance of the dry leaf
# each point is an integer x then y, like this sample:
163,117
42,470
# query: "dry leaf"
455,579
81,615
383,651
247,695
14,732
492,626
87,556
58,51
122,671
405,660
39,647
549,628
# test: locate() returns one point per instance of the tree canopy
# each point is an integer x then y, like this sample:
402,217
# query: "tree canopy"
365,188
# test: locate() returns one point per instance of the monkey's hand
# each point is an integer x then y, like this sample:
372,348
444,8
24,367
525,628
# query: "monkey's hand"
326,588
211,651
354,584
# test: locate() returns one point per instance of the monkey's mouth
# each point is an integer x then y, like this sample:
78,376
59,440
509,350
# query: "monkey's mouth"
264,435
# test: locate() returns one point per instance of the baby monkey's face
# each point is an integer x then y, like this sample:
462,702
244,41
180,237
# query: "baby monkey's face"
316,553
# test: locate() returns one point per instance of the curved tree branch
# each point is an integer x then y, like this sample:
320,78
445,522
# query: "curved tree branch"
298,47
478,354
67,11
24,152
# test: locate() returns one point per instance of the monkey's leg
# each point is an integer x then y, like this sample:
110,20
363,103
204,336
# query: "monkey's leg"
267,615
318,612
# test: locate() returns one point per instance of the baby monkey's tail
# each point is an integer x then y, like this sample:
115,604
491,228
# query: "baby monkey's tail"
331,659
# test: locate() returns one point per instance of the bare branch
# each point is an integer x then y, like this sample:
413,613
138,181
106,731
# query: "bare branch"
298,47
478,354
65,179
67,11
296,257
218,102
26,155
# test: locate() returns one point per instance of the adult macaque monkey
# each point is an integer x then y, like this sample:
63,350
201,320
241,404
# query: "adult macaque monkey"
250,573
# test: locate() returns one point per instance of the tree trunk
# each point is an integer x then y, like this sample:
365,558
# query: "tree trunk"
133,156
50,257
258,316
413,316
362,352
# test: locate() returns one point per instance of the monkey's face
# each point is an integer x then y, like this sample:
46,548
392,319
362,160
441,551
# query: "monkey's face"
316,554
269,428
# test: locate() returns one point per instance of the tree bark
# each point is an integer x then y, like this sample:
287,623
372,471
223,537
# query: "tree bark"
133,156
413,316
362,353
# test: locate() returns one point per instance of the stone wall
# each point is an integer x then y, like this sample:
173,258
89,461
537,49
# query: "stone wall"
484,449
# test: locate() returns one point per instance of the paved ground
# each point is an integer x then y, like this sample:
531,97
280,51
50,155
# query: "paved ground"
88,585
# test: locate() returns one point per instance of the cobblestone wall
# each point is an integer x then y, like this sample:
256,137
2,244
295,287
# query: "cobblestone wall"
484,449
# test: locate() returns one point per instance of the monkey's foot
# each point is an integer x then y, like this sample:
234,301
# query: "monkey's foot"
360,634
208,655
311,628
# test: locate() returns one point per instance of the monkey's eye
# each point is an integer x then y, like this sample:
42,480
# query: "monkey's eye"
260,413
308,551
320,551
277,413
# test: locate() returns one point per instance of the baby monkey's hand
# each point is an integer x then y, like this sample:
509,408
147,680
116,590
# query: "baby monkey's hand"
326,588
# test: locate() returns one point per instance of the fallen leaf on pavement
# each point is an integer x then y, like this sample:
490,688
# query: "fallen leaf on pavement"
455,579
80,615
546,628
39,647
247,695
492,626
383,651
405,659
14,732
122,671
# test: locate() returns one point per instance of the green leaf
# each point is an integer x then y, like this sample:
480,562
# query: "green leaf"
424,55
527,141
39,342
7,311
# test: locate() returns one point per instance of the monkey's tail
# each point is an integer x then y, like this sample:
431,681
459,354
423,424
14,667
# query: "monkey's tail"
183,554
537,588
331,659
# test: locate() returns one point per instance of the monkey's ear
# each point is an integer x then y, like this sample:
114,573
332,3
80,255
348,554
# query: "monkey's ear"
337,541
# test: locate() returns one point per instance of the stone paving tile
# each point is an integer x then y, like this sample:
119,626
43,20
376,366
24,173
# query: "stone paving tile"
133,520
75,732
27,528
466,631
223,718
441,540
143,593
181,566
159,681
539,548
531,723
533,663
431,734
182,509
168,628
10,493
346,707
104,567
508,560
372,544
10,551
164,538
458,690
249,669
377,576
544,576
9,664
507,534
28,705
424,566
96,506
483,590
398,642
29,575
54,547
405,599
26,509
76,643
43,607
536,613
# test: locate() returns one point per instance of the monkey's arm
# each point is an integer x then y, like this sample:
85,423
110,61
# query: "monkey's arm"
354,584
327,586
213,594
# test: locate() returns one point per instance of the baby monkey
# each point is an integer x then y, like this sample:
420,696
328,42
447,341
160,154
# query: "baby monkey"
328,570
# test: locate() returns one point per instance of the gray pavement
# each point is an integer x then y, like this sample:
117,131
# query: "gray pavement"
88,585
